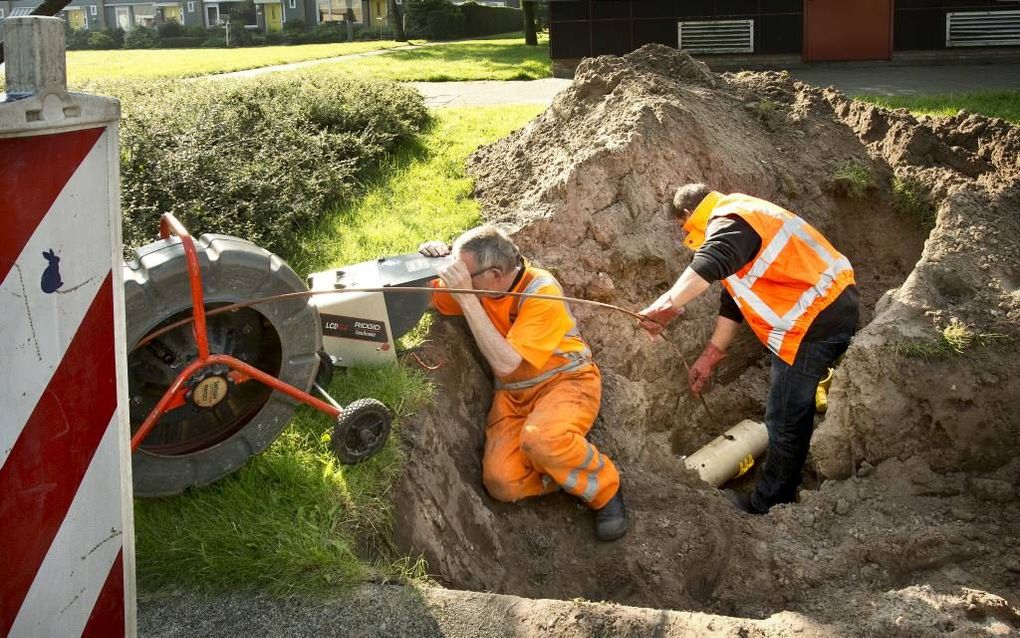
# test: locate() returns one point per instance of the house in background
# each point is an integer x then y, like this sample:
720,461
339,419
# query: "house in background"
809,30
265,15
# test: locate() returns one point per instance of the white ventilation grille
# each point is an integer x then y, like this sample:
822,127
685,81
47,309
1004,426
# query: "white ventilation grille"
719,36
982,28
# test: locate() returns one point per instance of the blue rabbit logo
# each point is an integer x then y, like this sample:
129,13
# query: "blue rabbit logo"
51,276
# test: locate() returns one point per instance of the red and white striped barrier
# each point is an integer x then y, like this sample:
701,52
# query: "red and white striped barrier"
66,532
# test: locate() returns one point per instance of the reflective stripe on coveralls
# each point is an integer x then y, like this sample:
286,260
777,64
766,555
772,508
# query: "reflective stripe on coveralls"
575,360
535,439
781,332
538,434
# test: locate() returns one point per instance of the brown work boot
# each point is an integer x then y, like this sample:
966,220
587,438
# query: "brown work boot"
611,520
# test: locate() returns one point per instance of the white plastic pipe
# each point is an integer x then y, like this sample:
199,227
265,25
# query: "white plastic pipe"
731,453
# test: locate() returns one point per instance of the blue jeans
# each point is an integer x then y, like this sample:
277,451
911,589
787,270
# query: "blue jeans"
789,417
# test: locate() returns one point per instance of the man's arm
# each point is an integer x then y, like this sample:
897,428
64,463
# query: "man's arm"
497,350
731,244
724,333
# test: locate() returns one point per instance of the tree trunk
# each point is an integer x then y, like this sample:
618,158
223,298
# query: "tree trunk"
530,32
397,21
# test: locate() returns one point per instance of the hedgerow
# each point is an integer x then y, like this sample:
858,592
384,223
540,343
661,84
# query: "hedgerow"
261,159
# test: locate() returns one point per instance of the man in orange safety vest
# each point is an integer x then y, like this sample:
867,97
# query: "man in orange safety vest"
547,388
798,296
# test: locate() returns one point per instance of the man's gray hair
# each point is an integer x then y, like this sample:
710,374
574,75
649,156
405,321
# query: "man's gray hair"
491,247
687,197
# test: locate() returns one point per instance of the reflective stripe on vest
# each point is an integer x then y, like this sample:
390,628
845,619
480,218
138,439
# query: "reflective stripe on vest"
533,287
779,327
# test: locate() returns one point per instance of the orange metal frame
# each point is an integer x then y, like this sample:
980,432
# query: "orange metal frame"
240,371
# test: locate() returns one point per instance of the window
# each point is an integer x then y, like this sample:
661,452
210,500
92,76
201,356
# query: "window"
191,7
92,9
1,14
145,15
20,11
293,4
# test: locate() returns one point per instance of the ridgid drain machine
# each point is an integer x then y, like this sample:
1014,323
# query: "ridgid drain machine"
225,341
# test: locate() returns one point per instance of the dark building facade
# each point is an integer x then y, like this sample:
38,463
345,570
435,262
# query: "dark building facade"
814,29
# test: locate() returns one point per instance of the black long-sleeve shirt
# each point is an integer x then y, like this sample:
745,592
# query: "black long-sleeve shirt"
731,245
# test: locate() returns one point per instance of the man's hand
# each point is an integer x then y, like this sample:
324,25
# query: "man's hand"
657,315
702,369
434,249
456,275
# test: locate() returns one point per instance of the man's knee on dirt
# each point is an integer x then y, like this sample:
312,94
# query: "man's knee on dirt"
501,482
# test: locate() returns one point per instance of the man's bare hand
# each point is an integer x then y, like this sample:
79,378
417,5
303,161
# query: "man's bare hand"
456,275
434,249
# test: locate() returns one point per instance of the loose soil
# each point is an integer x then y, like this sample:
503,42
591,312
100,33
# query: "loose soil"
909,520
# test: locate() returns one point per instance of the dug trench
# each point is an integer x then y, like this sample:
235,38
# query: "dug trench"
908,521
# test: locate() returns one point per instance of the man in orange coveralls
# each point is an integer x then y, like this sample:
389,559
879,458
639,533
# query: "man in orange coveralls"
548,388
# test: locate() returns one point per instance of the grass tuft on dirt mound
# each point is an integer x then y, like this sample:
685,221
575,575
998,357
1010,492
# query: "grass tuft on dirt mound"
953,340
853,180
912,200
294,520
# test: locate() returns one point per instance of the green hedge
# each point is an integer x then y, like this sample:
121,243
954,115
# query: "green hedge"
480,19
259,159
433,19
182,42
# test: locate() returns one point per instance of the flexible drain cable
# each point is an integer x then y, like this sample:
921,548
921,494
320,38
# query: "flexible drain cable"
418,289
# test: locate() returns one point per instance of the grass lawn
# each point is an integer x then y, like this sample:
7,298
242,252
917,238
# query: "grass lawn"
292,519
503,58
83,66
1004,104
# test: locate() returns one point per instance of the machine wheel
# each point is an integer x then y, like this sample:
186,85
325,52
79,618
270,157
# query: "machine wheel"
205,439
361,431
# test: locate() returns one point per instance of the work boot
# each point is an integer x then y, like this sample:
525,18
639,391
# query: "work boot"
611,520
741,501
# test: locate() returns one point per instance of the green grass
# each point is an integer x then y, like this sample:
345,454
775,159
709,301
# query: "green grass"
483,59
424,192
1004,104
952,341
853,179
292,519
83,66
910,199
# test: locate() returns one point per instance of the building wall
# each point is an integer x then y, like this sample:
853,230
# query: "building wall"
921,24
582,28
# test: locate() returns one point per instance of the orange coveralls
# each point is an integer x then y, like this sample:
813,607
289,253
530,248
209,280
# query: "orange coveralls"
535,437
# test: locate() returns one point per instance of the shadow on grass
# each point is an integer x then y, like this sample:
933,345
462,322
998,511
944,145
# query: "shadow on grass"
508,60
313,256
292,519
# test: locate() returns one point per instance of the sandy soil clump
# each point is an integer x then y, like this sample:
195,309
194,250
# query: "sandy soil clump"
909,521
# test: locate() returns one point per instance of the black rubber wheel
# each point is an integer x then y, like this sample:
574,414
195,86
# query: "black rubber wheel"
194,445
361,431
326,370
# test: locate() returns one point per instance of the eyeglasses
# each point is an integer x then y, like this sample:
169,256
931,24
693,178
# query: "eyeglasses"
480,272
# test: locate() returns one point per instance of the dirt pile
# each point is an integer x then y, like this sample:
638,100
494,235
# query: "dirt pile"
922,539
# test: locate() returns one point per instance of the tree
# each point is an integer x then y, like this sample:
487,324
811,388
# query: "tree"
397,20
530,32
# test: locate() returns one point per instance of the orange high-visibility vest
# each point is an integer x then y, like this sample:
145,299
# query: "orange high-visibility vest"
794,276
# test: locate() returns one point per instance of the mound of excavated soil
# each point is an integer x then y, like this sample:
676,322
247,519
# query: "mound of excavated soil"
915,530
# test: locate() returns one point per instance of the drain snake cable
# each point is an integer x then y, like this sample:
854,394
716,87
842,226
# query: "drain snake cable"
418,289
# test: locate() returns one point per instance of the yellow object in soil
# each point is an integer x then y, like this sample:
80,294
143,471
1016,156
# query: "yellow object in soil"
822,393
745,465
